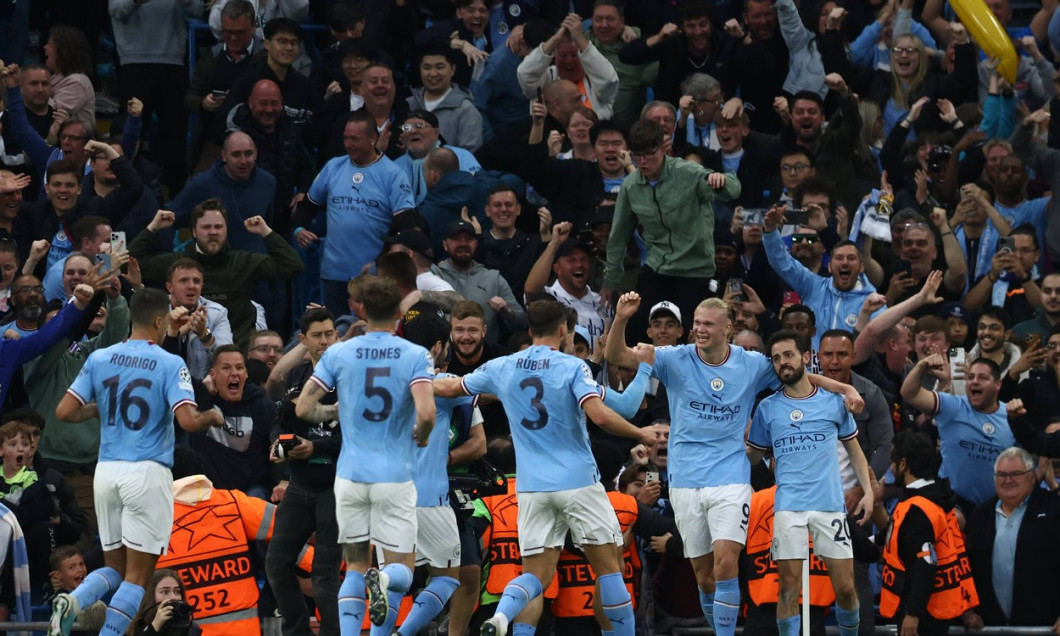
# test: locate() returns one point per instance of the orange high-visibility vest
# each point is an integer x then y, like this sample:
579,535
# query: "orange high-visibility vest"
763,581
500,542
209,549
954,590
577,582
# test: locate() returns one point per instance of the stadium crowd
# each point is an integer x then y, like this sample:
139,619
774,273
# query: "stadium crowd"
675,194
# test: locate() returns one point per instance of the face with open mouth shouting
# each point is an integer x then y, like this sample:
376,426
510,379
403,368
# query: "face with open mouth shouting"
572,271
475,17
906,57
15,453
229,375
845,267
981,387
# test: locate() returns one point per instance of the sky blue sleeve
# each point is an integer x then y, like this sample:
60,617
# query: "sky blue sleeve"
759,436
628,402
481,379
323,374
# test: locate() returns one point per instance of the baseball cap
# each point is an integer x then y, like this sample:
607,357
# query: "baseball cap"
425,115
665,306
571,244
955,310
583,333
457,227
415,240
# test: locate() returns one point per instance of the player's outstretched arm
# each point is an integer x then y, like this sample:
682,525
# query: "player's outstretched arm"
617,351
194,421
853,400
449,387
606,418
863,511
70,409
423,397
308,406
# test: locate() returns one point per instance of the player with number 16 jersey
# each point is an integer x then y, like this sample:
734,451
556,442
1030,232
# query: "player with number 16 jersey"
137,386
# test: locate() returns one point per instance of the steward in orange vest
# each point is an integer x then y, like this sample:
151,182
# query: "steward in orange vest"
927,577
495,520
574,606
209,549
763,581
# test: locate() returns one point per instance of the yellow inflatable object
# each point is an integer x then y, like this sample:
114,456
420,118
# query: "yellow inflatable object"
988,34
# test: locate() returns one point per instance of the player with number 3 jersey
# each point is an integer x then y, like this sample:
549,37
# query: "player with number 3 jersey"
546,395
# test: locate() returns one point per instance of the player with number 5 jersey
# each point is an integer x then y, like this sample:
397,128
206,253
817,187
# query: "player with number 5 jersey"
385,409
135,389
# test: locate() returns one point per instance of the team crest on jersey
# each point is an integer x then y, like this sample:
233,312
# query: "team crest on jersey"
358,177
515,10
851,320
502,27
717,384
988,428
796,415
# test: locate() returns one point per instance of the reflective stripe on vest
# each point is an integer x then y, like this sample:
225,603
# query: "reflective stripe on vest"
953,591
763,581
576,579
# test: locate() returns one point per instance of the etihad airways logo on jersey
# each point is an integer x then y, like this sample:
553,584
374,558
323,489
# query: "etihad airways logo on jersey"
717,409
798,442
341,200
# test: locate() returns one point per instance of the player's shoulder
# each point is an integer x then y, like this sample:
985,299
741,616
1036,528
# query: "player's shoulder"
673,353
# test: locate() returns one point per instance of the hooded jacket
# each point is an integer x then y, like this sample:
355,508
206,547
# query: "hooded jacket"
459,122
480,284
236,455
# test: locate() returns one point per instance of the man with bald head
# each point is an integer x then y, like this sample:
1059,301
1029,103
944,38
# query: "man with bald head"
281,151
245,190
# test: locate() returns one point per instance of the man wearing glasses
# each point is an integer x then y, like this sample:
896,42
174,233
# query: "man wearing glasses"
420,135
973,429
671,199
1013,549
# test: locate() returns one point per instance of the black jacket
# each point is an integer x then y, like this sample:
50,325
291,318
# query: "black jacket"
675,63
1036,573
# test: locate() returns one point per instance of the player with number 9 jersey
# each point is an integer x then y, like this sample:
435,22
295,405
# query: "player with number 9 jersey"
373,375
542,392
137,386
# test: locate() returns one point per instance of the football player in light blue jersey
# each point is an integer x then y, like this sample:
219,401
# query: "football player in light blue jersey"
801,425
973,429
438,539
385,408
711,387
135,389
544,393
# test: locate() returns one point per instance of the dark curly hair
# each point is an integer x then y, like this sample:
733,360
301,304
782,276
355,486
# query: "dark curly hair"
73,54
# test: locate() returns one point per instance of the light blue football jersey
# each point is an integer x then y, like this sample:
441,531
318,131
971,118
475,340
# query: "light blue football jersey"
137,386
970,442
542,391
709,409
802,432
373,375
